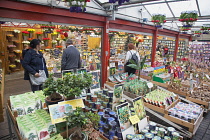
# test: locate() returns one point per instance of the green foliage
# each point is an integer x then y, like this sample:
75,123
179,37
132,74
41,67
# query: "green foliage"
159,18
118,91
94,118
50,86
73,84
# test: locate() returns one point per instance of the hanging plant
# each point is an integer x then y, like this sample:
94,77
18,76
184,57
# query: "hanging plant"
120,2
158,20
64,28
197,32
77,5
188,18
205,30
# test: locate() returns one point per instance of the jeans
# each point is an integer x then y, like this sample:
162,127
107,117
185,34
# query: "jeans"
35,87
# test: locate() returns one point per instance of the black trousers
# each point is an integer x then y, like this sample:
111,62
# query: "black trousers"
35,87
129,70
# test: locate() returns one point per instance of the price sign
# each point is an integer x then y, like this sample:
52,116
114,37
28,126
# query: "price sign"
134,119
150,85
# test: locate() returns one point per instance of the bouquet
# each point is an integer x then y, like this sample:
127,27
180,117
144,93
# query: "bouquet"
25,33
39,33
31,30
46,39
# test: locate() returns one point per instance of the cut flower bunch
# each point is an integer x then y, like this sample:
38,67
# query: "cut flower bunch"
31,30
25,33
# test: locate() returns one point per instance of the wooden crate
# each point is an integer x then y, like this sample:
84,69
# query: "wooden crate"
110,84
192,126
164,85
177,92
159,109
204,103
146,77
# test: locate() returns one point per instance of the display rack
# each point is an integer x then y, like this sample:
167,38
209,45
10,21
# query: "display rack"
145,48
171,46
183,49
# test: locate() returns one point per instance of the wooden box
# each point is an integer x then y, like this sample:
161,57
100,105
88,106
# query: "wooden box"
198,101
164,85
192,126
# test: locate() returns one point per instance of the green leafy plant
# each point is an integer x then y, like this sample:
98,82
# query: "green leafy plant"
118,91
138,66
80,120
50,89
73,84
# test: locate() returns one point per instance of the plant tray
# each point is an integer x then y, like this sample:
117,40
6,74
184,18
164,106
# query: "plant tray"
131,95
159,109
204,103
192,126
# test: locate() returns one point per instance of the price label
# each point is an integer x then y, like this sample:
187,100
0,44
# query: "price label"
150,85
134,119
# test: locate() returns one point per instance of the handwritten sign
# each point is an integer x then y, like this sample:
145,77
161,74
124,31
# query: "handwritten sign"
134,119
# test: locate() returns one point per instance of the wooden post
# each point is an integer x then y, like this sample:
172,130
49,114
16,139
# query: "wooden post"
154,45
176,47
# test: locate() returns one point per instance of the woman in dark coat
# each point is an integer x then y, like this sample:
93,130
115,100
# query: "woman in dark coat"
34,61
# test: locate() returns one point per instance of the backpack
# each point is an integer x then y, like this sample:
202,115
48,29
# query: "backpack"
134,58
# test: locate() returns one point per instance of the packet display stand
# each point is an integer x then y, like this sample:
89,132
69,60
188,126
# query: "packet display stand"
192,126
159,109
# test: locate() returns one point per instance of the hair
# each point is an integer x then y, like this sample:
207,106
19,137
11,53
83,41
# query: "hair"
131,46
69,41
34,43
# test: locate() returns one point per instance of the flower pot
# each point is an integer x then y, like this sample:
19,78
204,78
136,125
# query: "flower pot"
39,37
71,137
12,59
30,34
9,38
25,38
49,102
45,43
53,45
45,35
70,98
10,49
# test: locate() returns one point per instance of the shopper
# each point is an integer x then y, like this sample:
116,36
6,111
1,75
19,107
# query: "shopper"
159,47
165,49
71,57
34,61
131,54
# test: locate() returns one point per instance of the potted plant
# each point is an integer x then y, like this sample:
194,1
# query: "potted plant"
54,35
39,35
31,31
46,41
80,120
73,84
188,18
25,34
158,20
50,90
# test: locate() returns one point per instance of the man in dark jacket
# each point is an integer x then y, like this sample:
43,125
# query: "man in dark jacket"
71,57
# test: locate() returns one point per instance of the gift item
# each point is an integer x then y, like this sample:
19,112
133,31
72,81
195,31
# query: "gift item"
36,125
185,112
27,103
160,97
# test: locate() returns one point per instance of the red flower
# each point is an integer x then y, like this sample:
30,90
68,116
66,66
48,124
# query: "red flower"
25,32
65,34
152,20
46,38
164,21
186,19
87,0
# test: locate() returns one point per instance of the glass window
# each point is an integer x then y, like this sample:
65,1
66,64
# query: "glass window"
161,8
204,7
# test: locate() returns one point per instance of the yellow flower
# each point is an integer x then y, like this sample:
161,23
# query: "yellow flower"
54,33
31,30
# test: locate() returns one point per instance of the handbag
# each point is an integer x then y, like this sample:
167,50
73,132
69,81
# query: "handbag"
38,80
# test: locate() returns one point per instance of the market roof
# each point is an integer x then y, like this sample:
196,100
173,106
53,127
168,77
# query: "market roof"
137,10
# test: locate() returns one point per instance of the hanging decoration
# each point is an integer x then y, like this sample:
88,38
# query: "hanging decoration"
205,30
120,2
77,5
188,18
47,28
184,30
158,20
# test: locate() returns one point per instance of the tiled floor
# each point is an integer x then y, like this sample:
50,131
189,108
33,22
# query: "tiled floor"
19,86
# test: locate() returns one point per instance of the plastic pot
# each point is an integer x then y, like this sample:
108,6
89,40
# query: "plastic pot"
85,136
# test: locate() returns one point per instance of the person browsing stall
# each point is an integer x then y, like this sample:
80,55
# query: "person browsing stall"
71,57
33,62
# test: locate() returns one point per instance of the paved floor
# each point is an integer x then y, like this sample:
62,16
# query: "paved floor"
17,86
